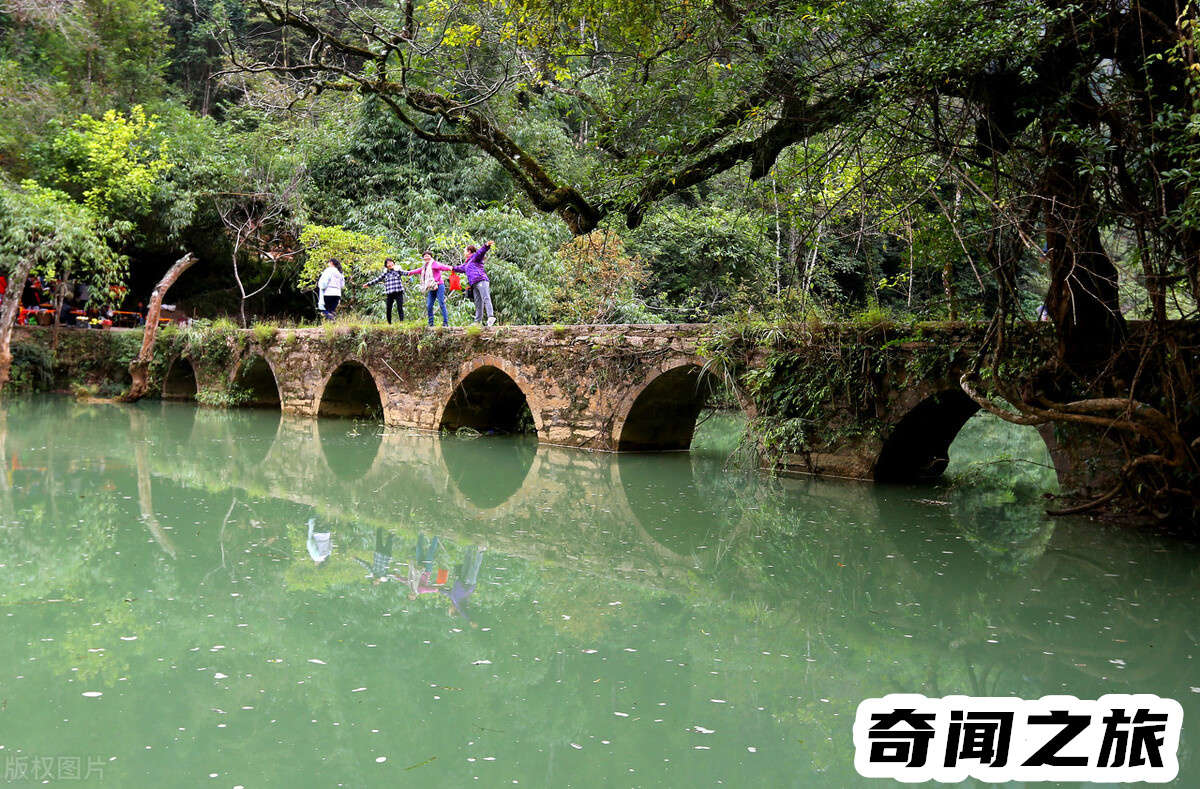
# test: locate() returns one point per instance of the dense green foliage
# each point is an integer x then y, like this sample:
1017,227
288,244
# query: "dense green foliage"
57,236
662,116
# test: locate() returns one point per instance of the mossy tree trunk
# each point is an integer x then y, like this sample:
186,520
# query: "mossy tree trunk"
8,312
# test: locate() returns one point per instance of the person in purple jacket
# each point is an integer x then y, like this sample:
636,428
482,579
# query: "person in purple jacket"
465,583
477,281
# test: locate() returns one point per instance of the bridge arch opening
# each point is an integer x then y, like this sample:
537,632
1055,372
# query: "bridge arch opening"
256,377
490,401
919,447
663,414
351,392
180,381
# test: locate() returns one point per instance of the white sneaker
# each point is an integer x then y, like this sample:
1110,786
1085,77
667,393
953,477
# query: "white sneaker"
491,321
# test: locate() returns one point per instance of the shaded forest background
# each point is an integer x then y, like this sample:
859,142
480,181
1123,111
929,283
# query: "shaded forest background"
138,111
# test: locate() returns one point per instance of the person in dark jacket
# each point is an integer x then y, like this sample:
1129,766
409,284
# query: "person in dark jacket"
393,288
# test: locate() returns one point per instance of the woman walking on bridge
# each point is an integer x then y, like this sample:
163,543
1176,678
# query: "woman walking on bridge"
329,288
477,281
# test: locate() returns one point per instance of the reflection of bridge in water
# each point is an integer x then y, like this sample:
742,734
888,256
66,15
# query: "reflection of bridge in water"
808,548
812,553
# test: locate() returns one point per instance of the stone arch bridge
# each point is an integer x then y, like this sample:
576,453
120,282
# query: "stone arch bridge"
615,388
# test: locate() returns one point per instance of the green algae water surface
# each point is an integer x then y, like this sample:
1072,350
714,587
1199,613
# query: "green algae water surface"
170,619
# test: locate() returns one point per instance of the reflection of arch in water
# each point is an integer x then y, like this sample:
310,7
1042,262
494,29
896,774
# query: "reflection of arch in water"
581,489
254,432
660,414
180,381
349,449
488,473
663,499
256,375
490,394
917,448
351,391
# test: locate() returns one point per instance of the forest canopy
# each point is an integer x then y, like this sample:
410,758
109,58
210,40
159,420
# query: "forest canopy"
929,159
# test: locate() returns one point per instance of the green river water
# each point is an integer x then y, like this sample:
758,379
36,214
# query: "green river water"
638,620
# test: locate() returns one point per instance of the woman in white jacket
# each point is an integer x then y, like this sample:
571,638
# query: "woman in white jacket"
329,288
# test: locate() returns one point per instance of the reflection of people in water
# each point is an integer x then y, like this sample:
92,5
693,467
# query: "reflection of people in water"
320,544
421,568
383,556
418,582
427,552
465,581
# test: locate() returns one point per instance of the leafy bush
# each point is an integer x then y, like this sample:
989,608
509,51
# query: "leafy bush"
264,332
228,397
698,257
598,282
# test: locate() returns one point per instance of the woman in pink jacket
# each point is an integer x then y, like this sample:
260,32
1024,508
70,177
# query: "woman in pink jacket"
430,272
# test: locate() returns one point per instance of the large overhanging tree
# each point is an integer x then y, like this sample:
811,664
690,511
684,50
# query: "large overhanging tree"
1069,121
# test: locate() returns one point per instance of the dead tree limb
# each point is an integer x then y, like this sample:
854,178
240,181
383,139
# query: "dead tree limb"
139,368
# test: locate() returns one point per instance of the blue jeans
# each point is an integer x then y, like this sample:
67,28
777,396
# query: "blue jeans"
469,569
426,552
440,295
